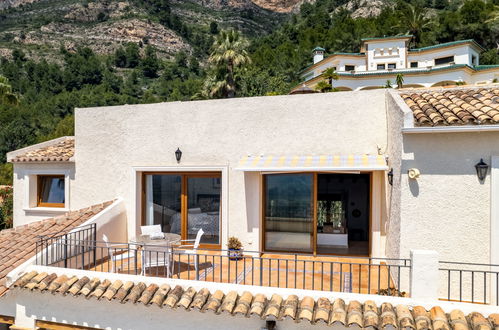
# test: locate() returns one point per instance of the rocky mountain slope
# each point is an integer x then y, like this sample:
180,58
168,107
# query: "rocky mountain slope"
40,27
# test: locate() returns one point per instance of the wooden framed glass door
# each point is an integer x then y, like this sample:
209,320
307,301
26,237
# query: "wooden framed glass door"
184,203
315,212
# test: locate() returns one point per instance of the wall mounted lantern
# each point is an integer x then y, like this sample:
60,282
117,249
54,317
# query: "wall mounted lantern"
390,177
481,170
178,155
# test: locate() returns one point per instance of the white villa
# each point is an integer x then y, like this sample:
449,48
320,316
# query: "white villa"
368,209
381,59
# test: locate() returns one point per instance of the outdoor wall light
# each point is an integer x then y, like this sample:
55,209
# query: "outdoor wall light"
390,177
178,155
481,170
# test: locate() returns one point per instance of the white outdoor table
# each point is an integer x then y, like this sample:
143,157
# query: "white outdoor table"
144,241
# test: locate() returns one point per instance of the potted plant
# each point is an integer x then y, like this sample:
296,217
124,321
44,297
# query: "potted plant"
235,248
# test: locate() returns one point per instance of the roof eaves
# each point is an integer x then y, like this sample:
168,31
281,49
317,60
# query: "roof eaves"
404,36
327,57
375,73
447,44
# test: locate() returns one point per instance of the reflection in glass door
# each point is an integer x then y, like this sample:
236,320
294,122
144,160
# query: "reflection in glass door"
163,206
203,201
183,203
289,212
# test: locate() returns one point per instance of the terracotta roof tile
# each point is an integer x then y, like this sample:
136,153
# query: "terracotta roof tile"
320,311
62,151
18,244
454,106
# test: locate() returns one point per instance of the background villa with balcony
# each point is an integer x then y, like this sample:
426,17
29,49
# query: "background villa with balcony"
381,59
342,202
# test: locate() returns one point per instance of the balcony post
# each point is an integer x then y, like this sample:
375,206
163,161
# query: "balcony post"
424,275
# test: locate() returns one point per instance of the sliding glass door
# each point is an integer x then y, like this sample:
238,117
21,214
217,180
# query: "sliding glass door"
184,203
288,212
324,213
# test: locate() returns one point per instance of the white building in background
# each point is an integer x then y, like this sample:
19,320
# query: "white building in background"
381,59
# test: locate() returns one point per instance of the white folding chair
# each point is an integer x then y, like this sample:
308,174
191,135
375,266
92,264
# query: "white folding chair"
117,252
153,256
194,246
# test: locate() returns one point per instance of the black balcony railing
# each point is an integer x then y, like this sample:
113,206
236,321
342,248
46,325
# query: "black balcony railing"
326,273
469,282
57,248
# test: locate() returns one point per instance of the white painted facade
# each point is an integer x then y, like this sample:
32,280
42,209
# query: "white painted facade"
381,59
446,209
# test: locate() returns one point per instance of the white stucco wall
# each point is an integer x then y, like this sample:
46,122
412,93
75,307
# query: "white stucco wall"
447,209
25,190
112,141
339,62
462,55
397,55
419,79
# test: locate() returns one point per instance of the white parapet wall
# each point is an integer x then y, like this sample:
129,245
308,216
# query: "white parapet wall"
67,309
112,222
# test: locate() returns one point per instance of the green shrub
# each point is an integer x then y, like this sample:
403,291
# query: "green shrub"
6,207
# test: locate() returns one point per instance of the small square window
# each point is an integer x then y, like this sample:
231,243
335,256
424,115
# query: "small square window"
380,67
349,67
414,64
392,65
51,191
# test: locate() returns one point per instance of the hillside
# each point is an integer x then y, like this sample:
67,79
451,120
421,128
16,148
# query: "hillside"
41,27
62,54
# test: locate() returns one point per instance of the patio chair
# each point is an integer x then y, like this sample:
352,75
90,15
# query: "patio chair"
154,230
194,247
156,256
118,252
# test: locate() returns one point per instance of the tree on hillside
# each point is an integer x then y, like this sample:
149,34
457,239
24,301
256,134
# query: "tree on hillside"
414,20
150,63
229,53
6,94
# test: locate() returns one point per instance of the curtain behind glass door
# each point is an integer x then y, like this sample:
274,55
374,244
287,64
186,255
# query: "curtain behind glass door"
289,212
163,201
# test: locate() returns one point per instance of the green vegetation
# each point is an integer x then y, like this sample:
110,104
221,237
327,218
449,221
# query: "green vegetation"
6,207
229,54
221,64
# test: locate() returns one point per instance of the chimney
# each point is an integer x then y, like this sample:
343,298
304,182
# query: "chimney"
318,53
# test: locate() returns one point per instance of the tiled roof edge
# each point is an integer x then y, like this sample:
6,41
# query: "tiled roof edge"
13,154
333,311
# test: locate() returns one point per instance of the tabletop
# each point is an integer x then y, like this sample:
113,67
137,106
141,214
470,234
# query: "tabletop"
167,240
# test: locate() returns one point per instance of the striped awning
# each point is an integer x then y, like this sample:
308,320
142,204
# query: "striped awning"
312,163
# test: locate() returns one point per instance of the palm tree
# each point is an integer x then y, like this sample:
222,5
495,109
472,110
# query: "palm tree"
399,80
323,86
6,94
330,74
388,84
228,54
414,20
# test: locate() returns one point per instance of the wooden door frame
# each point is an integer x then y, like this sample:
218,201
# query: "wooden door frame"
314,216
184,175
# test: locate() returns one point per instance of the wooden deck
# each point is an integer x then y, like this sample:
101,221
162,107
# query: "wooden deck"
340,274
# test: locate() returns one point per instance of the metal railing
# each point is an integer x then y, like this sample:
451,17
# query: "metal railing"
327,273
469,282
62,247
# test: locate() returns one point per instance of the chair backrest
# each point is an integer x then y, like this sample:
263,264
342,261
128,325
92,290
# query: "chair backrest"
148,230
106,240
198,238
